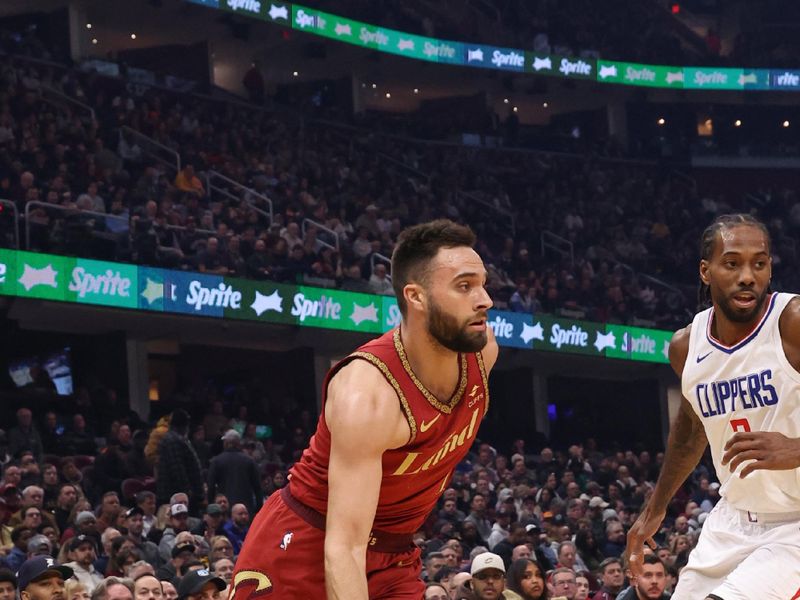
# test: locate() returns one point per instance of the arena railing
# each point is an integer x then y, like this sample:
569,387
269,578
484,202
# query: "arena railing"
377,257
68,212
558,244
320,226
54,97
214,182
8,204
156,150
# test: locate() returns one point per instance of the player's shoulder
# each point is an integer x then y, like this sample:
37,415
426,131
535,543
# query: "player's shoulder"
363,375
791,314
679,348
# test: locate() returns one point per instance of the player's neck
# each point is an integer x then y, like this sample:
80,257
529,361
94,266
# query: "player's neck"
730,332
433,364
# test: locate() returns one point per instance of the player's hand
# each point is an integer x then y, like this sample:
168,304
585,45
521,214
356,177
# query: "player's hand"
642,531
767,449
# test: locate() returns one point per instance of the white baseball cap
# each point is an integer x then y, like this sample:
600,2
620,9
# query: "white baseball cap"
486,560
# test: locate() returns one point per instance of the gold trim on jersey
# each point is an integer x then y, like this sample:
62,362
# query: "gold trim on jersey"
371,358
446,408
482,369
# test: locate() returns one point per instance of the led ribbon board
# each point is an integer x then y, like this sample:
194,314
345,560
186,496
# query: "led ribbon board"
119,285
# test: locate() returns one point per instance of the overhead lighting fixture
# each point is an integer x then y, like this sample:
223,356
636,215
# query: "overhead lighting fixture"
374,86
88,26
786,123
416,90
661,121
133,36
737,123
295,73
505,100
388,95
516,109
545,105
94,41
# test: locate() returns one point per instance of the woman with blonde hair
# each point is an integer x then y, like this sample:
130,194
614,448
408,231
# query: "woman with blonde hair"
220,547
75,590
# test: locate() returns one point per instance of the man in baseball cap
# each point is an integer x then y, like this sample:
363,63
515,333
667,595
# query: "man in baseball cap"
40,578
200,585
488,576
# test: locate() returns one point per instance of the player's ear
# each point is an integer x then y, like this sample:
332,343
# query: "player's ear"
704,266
414,294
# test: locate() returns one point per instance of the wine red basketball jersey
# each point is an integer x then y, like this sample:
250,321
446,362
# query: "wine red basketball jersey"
416,474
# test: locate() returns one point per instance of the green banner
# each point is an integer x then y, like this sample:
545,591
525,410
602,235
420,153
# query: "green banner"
636,343
8,272
334,309
109,284
42,275
639,74
261,301
712,78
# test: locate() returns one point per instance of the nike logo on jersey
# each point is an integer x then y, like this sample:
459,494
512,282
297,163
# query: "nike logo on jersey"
425,426
702,358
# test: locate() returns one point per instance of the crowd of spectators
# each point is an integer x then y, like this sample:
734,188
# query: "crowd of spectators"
122,498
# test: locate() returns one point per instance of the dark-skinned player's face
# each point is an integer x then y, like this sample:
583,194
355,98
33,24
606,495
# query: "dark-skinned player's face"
738,272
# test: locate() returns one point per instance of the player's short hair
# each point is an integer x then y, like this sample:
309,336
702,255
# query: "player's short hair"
652,559
708,242
7,576
417,246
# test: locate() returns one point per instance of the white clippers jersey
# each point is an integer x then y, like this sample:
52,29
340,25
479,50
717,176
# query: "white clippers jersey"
746,387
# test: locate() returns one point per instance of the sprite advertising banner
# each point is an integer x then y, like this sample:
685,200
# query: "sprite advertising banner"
418,47
82,281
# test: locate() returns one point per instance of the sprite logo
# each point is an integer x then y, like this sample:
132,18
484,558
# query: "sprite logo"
643,74
110,283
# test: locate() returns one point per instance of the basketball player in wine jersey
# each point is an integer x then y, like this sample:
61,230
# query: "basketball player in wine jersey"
739,363
398,415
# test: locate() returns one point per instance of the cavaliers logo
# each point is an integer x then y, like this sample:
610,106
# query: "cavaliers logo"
245,579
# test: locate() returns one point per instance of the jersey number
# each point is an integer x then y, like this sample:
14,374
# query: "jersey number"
740,425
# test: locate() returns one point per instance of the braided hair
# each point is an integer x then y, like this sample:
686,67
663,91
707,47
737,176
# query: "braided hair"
708,243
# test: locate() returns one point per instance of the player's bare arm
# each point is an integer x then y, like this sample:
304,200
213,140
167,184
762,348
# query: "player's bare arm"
686,444
770,450
365,419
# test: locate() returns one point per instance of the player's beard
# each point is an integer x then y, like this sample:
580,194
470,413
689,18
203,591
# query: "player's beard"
736,316
445,329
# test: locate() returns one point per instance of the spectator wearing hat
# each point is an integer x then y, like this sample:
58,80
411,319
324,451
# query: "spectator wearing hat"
82,553
178,521
235,474
236,529
39,545
181,554
134,525
612,578
489,578
178,465
41,578
212,524
503,518
183,498
114,588
8,585
200,585
20,536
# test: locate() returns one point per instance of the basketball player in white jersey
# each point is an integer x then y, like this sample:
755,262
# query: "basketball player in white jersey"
739,364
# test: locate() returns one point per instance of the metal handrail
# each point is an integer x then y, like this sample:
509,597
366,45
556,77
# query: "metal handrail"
16,218
212,175
174,162
64,98
378,257
334,246
552,241
74,211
